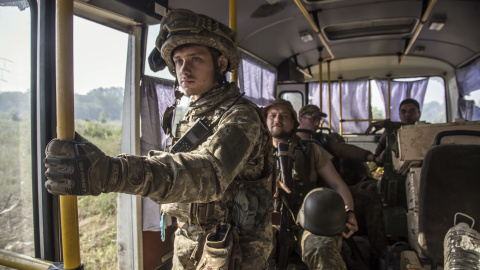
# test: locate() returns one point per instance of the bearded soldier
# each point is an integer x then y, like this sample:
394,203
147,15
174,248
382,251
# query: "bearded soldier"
325,215
220,183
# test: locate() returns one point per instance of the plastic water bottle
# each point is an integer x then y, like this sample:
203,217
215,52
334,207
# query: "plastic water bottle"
461,247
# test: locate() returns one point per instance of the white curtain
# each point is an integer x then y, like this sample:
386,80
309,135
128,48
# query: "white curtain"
400,91
257,79
355,103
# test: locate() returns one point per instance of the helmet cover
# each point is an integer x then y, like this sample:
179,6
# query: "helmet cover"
182,26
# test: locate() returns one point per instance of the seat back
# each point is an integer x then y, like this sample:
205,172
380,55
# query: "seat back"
449,183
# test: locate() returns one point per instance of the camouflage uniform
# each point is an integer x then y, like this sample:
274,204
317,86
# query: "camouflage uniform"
222,187
235,153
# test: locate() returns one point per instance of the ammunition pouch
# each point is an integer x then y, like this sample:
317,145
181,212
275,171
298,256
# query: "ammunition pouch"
221,249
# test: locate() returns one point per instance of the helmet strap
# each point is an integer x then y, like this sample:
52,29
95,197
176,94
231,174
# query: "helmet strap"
219,77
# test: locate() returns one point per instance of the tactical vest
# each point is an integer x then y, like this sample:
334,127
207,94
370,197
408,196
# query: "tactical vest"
301,173
237,205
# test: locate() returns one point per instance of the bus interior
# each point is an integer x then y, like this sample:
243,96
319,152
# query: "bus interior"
355,59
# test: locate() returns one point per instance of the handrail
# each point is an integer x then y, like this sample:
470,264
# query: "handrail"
20,261
232,7
66,127
423,20
314,26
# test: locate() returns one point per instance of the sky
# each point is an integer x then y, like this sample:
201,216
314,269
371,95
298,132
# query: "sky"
99,55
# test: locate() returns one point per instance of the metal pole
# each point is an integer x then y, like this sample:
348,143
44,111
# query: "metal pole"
340,100
389,97
233,26
20,261
320,62
329,98
66,127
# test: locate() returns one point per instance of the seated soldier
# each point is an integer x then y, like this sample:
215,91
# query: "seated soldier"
349,163
409,112
351,156
313,169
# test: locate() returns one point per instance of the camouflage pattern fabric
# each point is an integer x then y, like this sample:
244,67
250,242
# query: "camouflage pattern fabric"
236,153
321,252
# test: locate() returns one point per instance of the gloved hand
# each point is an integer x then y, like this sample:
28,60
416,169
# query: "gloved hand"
80,168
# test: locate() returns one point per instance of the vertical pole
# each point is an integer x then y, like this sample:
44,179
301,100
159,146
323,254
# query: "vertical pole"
329,98
233,26
340,99
320,79
389,96
66,127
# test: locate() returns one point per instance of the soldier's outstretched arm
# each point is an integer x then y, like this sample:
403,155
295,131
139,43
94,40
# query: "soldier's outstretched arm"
80,168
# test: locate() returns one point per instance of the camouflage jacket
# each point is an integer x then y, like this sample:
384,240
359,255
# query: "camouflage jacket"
237,152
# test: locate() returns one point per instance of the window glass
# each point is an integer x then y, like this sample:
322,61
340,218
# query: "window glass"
99,72
475,96
434,109
377,104
16,213
296,98
153,31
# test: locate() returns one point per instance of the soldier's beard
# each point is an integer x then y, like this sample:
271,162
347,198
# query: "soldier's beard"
281,134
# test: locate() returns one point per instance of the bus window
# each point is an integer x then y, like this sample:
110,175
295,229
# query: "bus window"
434,107
376,103
296,98
475,96
16,213
153,31
99,72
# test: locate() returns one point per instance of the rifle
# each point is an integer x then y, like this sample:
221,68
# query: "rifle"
285,238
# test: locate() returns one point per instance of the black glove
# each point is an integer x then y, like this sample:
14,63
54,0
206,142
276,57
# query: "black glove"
80,168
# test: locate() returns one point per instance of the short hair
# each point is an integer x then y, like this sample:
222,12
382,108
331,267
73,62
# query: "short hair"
410,101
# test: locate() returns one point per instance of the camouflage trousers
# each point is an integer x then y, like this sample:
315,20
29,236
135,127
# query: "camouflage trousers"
256,247
320,252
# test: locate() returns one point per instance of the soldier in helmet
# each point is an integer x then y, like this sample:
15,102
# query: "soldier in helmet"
319,244
222,186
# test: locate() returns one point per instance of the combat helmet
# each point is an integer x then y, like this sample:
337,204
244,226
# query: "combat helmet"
323,212
182,26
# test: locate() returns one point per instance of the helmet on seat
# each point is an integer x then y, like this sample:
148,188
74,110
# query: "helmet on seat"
323,212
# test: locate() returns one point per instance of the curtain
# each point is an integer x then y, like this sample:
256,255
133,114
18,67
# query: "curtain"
355,103
257,79
468,80
400,91
467,110
155,96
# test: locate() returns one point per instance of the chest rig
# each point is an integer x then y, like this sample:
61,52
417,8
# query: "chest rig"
235,205
302,184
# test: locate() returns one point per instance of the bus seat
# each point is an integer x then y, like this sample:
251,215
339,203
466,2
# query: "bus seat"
449,183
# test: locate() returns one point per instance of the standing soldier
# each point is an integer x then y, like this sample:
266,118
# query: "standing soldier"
223,182
319,240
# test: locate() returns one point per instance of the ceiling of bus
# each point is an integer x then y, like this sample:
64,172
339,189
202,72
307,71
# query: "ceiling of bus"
277,37
351,28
